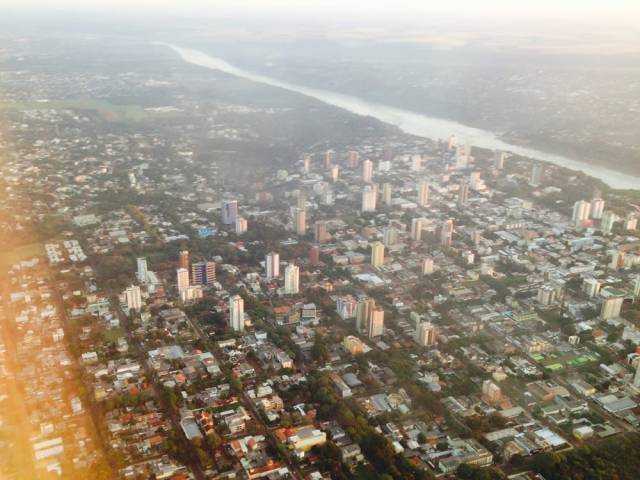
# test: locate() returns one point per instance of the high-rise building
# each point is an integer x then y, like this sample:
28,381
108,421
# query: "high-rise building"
367,171
301,221
498,159
376,322
597,208
363,311
236,313
184,259
611,307
314,255
417,226
427,266
229,212
536,175
353,160
368,199
134,298
306,165
203,273
581,210
346,307
291,279
334,173
446,233
301,202
617,259
636,286
630,222
377,254
463,194
320,231
241,225
423,194
386,194
141,273
416,163
390,236
608,221
425,335
272,265
329,159
182,275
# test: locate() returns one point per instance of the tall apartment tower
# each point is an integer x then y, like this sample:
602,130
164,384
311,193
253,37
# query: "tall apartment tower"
300,221
142,271
446,233
291,279
184,259
377,254
386,194
368,199
320,231
203,273
236,313
363,311
134,298
272,265
423,194
367,171
182,275
376,322
229,212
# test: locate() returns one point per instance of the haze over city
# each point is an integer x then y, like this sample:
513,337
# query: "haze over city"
277,239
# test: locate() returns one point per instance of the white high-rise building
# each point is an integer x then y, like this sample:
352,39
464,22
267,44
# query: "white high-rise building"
597,208
229,212
423,194
141,274
236,313
241,225
291,279
367,171
581,210
182,275
386,194
608,220
636,287
134,298
425,335
368,199
272,265
346,307
463,194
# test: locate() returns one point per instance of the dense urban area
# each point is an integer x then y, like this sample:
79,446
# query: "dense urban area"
209,278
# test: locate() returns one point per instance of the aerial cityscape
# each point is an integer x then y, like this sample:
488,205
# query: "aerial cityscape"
257,263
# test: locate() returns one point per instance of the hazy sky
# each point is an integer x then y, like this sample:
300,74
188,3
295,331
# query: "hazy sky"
368,8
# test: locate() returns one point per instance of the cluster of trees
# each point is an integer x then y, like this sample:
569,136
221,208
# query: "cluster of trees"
375,447
617,458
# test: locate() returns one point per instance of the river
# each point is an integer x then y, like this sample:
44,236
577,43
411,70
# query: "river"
411,122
